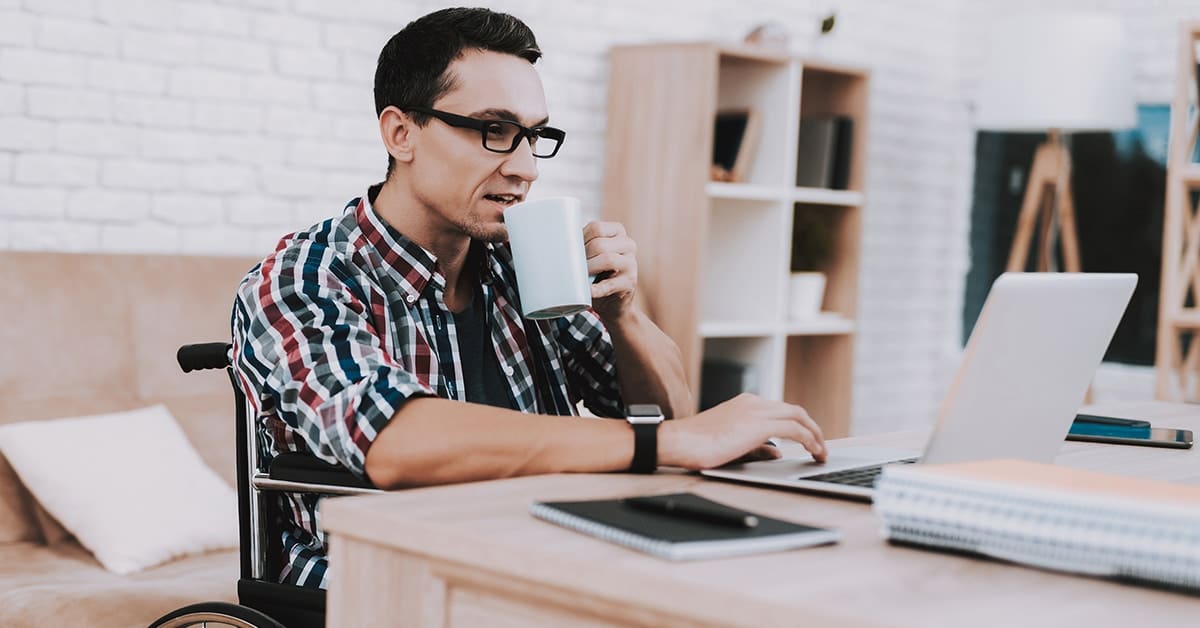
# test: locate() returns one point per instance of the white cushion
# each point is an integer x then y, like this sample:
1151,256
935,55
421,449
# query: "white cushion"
128,485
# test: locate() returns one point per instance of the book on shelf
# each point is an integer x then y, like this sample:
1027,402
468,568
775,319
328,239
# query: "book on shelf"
679,537
735,142
823,159
1047,516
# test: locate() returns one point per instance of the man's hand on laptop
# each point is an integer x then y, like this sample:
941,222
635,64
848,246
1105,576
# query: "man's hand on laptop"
736,429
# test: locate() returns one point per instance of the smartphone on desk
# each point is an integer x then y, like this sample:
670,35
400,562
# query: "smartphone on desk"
1117,434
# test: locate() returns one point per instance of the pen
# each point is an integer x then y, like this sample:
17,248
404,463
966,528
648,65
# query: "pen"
703,512
1108,420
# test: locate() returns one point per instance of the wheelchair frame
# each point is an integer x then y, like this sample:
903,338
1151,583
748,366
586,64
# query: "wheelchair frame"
263,602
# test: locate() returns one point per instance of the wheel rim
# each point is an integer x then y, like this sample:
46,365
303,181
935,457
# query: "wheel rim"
202,618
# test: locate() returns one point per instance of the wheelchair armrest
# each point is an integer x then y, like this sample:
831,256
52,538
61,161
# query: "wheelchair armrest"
298,467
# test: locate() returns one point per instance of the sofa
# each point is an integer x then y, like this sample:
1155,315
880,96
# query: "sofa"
84,334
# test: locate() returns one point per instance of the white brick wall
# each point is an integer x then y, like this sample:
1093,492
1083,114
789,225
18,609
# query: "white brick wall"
196,126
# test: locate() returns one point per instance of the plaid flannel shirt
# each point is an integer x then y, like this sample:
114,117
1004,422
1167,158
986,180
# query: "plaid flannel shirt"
346,320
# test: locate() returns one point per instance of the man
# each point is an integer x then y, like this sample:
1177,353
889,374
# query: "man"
388,340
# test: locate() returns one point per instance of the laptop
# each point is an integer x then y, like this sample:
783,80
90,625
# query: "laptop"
1024,373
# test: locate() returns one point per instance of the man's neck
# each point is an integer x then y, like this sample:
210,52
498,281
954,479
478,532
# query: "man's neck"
399,208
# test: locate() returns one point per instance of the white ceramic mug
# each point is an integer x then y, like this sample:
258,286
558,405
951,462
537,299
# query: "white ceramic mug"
546,237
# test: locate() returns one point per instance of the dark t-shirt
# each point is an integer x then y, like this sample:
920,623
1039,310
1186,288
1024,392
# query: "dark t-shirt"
482,376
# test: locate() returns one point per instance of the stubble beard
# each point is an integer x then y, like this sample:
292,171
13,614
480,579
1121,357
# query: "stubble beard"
477,229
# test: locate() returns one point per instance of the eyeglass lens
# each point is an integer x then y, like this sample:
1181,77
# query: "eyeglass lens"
502,137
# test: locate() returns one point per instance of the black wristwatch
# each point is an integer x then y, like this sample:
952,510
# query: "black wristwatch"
644,418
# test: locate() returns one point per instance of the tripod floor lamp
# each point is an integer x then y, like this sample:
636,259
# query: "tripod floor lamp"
1054,73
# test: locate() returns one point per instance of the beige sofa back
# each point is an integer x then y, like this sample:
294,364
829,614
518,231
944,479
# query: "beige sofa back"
92,333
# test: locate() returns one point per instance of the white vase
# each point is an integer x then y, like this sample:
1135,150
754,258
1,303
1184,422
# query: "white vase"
806,292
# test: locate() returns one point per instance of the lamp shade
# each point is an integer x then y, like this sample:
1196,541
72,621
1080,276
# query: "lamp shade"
1068,71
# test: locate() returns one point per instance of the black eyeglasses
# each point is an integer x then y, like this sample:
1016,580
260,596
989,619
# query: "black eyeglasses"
503,136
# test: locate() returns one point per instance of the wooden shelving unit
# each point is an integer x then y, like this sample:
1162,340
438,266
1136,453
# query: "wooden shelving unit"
714,257
1177,359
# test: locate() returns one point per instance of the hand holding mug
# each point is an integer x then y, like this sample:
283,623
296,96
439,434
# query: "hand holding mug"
563,268
612,260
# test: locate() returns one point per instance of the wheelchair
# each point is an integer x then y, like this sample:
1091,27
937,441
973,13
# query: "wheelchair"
263,603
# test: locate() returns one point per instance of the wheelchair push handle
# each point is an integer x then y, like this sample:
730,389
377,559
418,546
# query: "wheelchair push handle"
208,355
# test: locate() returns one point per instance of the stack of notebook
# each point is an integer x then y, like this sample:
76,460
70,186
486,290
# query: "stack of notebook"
1047,516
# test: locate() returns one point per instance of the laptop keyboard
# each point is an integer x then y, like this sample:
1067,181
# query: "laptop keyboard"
859,476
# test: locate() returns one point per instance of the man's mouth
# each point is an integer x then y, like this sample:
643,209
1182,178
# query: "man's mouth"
503,199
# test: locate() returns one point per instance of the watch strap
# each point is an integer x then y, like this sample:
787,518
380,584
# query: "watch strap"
645,448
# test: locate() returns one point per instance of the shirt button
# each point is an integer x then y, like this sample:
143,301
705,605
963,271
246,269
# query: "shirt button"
508,370
412,298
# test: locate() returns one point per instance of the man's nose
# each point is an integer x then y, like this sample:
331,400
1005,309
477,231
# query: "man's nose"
521,163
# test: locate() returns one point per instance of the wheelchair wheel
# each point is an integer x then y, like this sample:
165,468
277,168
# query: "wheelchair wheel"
215,614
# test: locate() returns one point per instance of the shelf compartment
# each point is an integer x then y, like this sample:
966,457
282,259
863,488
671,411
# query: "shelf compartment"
743,243
838,93
765,87
838,227
738,365
817,375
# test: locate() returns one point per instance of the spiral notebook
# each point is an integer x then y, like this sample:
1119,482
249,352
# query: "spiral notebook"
674,537
1048,516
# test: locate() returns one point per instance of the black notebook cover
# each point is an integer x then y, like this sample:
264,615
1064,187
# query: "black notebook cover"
676,537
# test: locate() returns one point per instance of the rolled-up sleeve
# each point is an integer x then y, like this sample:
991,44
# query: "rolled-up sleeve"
590,363
306,344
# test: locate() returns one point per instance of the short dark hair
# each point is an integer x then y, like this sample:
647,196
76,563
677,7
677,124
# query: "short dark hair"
412,65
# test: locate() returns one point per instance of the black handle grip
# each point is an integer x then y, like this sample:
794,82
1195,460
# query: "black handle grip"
208,355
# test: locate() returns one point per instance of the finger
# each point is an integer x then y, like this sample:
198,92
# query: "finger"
790,411
806,419
800,434
777,410
622,279
615,284
599,229
623,245
610,261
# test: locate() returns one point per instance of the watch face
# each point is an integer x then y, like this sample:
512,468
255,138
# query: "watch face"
644,420
644,409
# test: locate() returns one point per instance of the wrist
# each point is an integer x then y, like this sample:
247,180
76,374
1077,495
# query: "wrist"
668,437
618,319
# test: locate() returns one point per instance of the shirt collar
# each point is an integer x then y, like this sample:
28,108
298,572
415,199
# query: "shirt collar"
416,266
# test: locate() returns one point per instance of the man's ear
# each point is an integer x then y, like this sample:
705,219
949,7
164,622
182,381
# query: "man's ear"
397,130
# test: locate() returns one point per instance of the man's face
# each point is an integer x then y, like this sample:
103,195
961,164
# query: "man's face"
465,186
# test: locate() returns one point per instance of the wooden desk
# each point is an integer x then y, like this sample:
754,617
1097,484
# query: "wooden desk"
471,555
